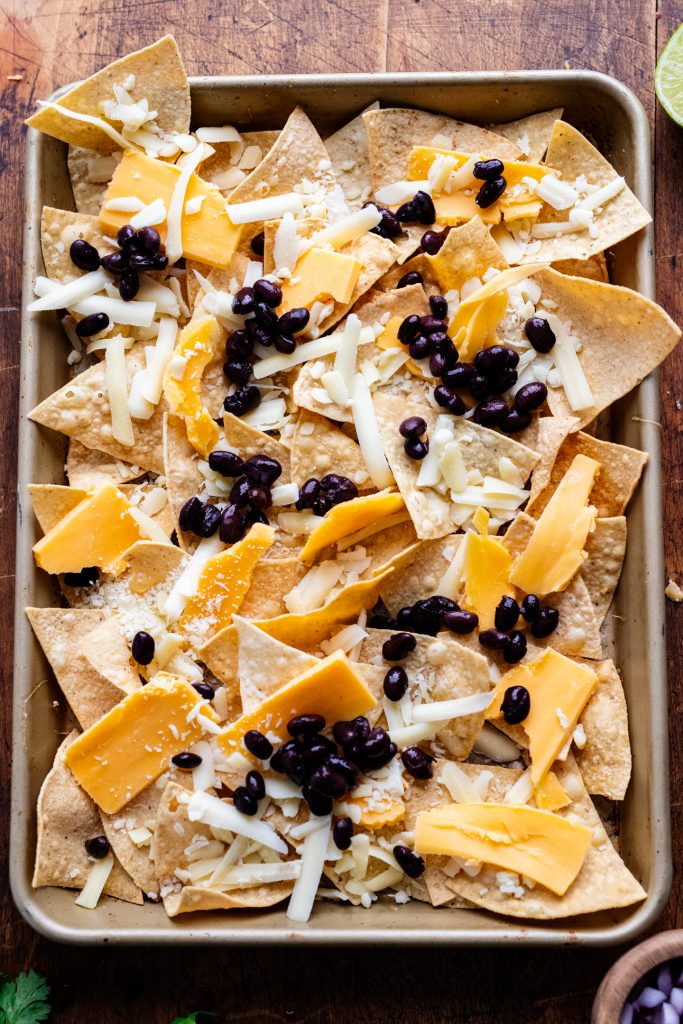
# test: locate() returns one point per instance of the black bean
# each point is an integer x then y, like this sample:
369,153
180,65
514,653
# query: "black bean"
410,863
238,371
424,205
268,292
417,763
143,647
362,726
129,284
344,732
485,170
437,364
186,760
232,526
494,639
84,255
530,607
126,235
458,376
115,262
243,400
375,761
395,682
308,492
294,320
398,646
142,261
255,784
258,744
255,515
432,325
516,647
319,805
284,344
304,726
160,261
376,742
342,833
479,387
347,768
502,381
338,488
244,302
208,521
262,469
491,360
440,342
326,781
412,277
426,615
389,226
540,334
92,324
460,621
265,317
226,463
507,613
204,690
322,504
514,421
258,243
432,241
416,449
148,238
445,604
545,623
512,357
414,426
420,347
516,704
244,801
438,306
381,620
260,497
531,396
293,763
239,343
239,492
410,328
490,412
189,514
489,192
316,752
404,618
98,847
449,400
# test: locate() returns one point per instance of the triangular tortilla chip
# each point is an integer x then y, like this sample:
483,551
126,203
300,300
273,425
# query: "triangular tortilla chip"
248,441
531,134
66,818
159,78
319,447
481,448
545,435
420,576
624,337
605,761
469,251
60,631
348,151
230,154
595,267
264,664
88,468
135,859
271,581
150,562
393,131
606,548
88,194
81,410
58,229
106,651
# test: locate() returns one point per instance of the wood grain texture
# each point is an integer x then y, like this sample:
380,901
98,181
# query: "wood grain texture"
52,42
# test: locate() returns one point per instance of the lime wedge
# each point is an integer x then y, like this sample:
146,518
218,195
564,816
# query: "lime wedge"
669,77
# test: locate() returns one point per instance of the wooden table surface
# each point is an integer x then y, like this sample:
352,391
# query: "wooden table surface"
51,42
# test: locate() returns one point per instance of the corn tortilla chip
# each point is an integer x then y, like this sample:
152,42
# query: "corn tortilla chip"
469,251
595,267
159,78
149,563
348,152
66,818
264,664
271,581
531,134
88,468
137,813
88,194
545,435
420,576
58,229
606,548
319,447
605,761
248,441
106,651
229,154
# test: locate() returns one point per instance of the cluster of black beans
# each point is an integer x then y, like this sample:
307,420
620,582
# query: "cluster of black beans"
250,497
491,173
322,495
314,762
543,620
258,303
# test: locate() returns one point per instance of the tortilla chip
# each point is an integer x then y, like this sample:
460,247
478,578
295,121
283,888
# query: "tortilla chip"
88,468
595,267
248,441
571,154
106,651
481,449
81,409
393,131
603,883
150,562
531,134
159,78
420,576
620,470
605,761
264,663
88,195
66,818
60,631
442,669
545,435
319,447
140,811
348,152
58,229
272,579
469,251
298,154
606,548
229,154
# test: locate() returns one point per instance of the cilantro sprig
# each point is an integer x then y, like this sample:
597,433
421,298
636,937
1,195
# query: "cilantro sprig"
24,1001
198,1017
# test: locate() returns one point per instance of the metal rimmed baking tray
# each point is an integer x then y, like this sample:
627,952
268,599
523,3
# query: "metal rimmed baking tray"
610,114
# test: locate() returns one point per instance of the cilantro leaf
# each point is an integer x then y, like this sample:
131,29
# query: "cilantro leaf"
198,1017
24,1001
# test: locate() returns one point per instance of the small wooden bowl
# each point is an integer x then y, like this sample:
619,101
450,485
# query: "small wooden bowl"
618,982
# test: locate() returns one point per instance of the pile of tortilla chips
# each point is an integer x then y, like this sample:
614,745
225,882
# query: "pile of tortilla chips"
294,617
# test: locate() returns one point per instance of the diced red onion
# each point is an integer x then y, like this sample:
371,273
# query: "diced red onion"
676,999
649,998
627,1014
664,979
669,1015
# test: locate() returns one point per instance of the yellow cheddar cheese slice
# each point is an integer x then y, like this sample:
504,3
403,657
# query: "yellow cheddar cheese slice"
559,689
555,551
197,345
97,532
319,275
540,845
349,517
331,689
486,570
372,819
224,583
130,746
550,794
208,236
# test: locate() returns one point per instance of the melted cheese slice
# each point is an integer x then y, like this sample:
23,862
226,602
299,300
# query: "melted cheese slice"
538,844
486,571
97,531
130,746
197,344
475,322
550,794
559,689
349,517
321,274
331,689
208,236
555,551
224,582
